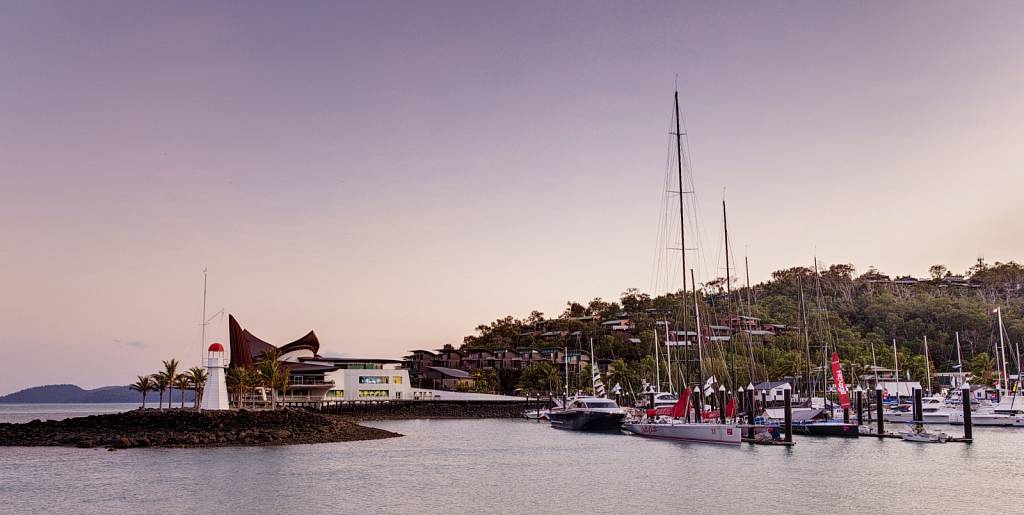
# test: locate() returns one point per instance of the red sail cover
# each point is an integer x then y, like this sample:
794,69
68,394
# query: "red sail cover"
730,409
681,406
837,374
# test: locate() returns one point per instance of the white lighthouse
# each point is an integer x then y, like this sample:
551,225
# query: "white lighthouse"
215,394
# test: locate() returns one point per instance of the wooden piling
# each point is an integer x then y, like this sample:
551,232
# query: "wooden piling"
750,411
721,404
918,407
859,396
965,398
879,410
788,399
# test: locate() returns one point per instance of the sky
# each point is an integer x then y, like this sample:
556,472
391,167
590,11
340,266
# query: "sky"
392,174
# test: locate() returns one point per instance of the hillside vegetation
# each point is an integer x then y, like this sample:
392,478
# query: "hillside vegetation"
834,309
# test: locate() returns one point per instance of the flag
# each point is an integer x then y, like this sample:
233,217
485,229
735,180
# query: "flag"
709,386
617,389
598,383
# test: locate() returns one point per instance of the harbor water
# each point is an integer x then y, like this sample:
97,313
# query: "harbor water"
516,466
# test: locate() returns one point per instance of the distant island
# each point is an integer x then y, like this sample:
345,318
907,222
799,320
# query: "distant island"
72,394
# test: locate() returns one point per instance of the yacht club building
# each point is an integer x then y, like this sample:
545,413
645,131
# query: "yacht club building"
316,378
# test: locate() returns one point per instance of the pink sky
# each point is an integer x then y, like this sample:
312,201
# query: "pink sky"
393,174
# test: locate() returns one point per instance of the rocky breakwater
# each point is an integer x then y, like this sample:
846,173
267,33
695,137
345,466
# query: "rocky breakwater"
189,428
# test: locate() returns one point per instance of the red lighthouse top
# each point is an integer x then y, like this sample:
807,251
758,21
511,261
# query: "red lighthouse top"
216,347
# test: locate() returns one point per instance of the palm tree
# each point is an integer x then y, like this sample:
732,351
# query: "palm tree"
269,368
619,374
171,372
143,385
253,380
160,383
236,379
183,383
198,376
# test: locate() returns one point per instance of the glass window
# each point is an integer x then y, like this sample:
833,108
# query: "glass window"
396,380
336,394
373,379
363,394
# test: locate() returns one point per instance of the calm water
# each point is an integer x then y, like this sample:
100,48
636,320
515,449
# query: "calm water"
512,466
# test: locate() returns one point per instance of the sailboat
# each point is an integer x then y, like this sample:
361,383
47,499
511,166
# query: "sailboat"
671,423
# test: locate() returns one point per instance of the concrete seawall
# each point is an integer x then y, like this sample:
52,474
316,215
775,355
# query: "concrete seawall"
433,409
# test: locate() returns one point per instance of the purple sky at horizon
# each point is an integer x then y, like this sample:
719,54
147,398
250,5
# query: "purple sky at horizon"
393,174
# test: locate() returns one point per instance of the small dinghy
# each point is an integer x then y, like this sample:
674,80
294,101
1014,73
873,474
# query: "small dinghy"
917,433
536,414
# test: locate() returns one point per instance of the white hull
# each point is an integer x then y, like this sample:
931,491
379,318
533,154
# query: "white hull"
727,434
910,436
929,418
988,419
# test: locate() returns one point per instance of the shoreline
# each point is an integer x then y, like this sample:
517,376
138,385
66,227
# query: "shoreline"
188,428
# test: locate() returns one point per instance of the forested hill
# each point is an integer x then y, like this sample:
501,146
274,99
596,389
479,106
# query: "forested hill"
69,393
852,314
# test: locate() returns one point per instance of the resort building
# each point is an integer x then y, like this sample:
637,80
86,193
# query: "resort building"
315,378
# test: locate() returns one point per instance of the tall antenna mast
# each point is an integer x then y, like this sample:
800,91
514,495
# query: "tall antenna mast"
202,345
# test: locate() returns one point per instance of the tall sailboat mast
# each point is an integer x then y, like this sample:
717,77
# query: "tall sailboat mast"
679,168
896,359
927,365
959,360
696,313
682,221
725,225
668,361
657,364
1002,349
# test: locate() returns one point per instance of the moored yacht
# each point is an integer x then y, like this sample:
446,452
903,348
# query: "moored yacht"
934,410
588,414
668,424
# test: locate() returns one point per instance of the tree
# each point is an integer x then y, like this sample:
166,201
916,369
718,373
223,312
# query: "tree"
981,366
143,385
486,381
182,382
237,379
540,377
270,371
621,374
170,373
160,383
198,376
938,271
